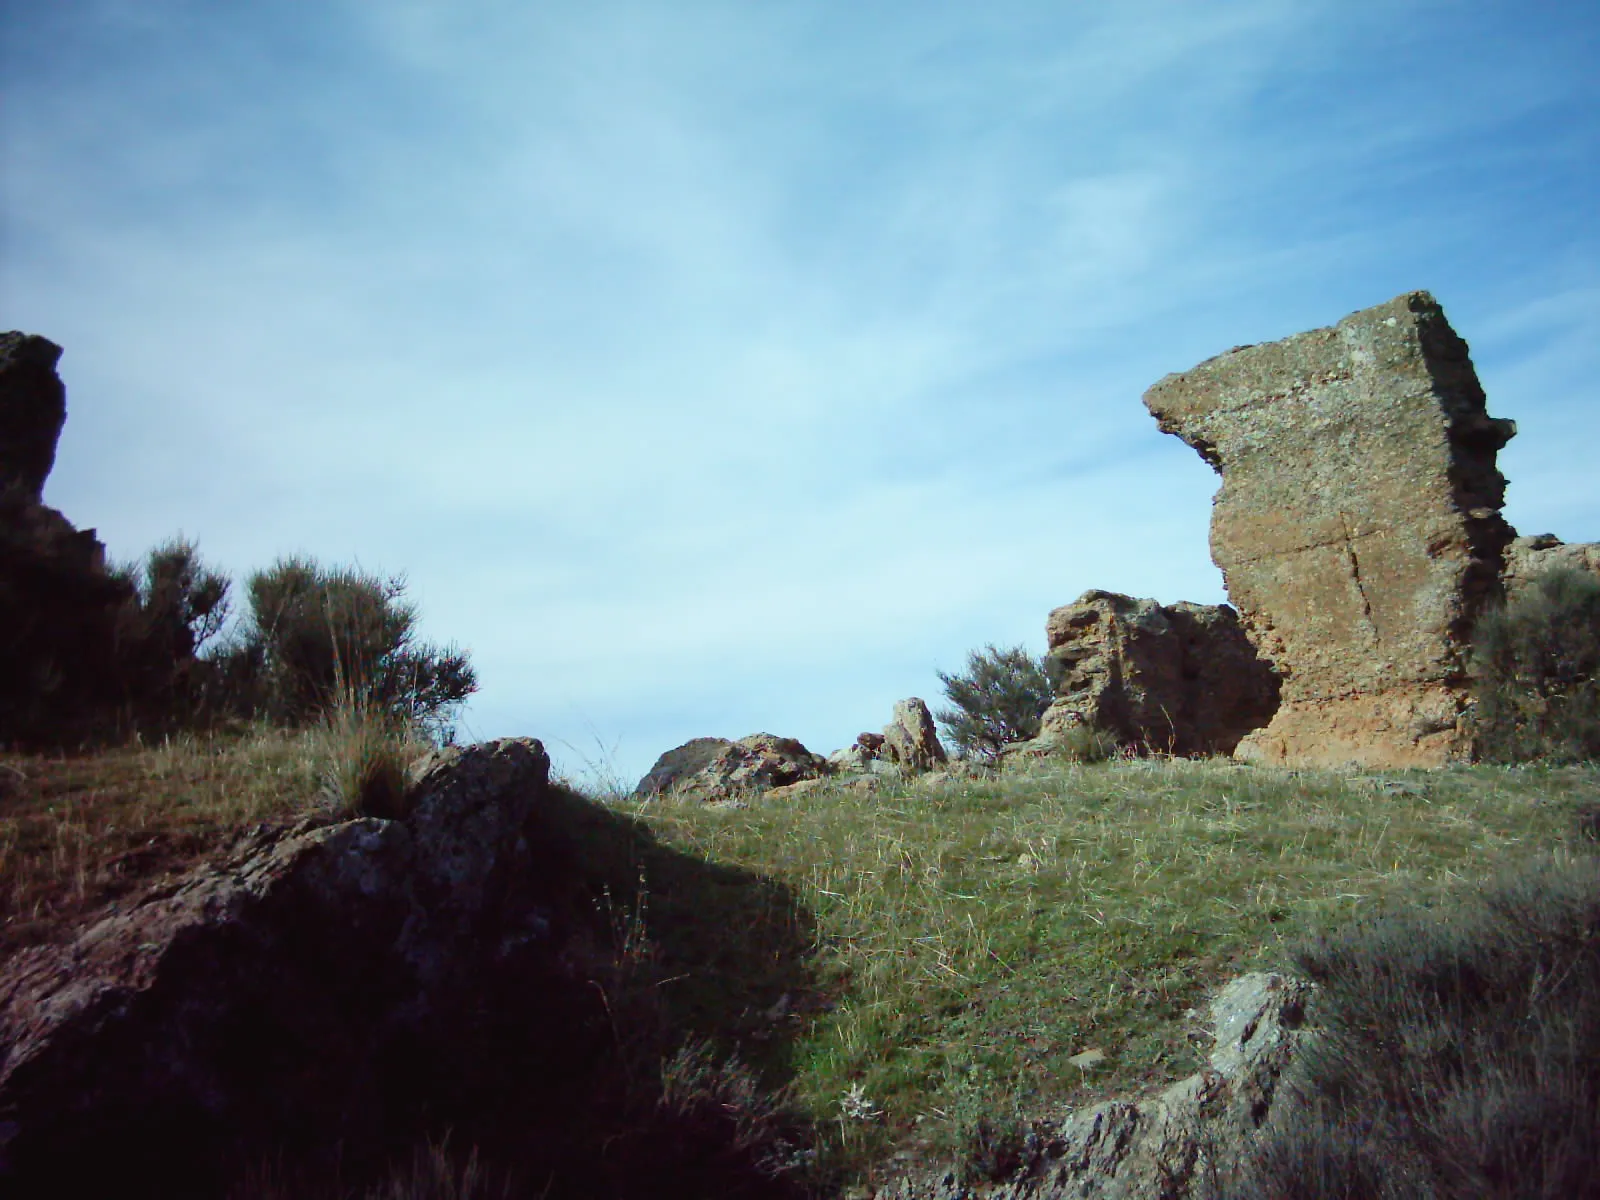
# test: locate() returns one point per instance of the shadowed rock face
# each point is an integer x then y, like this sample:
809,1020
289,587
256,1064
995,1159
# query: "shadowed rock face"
33,408
58,602
1358,526
1180,678
299,993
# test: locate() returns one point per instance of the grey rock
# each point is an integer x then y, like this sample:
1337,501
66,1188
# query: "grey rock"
302,993
1180,1145
910,739
1529,557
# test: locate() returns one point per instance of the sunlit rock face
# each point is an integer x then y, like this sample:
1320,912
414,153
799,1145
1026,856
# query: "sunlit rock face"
1357,527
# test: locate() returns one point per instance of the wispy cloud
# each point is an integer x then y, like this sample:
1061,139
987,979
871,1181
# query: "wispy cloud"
708,365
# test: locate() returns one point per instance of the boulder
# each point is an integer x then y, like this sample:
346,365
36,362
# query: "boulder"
715,769
1172,1146
1357,526
910,740
1180,679
679,764
1529,557
33,408
314,992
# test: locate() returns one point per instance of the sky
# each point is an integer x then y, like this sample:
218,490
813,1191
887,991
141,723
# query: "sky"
712,368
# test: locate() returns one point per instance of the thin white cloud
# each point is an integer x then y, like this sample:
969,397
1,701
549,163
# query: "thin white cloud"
706,360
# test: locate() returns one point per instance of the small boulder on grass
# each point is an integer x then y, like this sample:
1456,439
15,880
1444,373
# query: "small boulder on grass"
715,769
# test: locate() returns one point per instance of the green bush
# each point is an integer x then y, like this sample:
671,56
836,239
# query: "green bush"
1536,669
319,636
1457,1054
178,605
997,700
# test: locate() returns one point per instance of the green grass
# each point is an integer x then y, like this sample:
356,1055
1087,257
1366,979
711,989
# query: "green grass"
966,939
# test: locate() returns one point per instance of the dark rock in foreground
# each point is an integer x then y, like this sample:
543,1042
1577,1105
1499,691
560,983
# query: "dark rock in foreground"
314,992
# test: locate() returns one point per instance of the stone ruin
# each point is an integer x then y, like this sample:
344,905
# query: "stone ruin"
1359,534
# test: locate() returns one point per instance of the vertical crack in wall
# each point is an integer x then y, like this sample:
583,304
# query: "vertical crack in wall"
1355,574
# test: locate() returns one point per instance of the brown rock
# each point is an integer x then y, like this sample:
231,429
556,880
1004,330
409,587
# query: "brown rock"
1180,679
910,740
1167,1147
1358,526
1529,557
715,769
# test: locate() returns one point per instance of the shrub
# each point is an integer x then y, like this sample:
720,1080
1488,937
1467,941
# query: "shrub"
998,700
1536,668
317,635
1458,1053
177,606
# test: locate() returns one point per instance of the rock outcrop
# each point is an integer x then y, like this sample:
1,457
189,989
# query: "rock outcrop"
1179,1145
1178,679
910,739
1530,557
33,408
58,603
318,986
715,769
1358,526
909,744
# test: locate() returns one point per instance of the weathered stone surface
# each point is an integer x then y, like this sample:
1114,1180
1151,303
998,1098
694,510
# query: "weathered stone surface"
910,739
1171,1147
33,408
1358,526
310,993
680,763
1529,557
1179,679
716,769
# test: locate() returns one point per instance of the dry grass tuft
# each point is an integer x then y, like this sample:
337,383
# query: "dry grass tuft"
80,832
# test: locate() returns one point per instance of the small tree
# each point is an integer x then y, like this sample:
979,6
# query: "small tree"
1536,668
998,700
178,605
318,637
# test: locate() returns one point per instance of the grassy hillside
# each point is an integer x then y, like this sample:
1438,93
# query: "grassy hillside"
973,938
909,972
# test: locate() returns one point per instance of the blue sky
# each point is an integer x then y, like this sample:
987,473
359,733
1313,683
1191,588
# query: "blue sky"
714,368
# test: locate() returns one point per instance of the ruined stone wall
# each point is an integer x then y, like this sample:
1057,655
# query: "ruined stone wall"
1357,527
